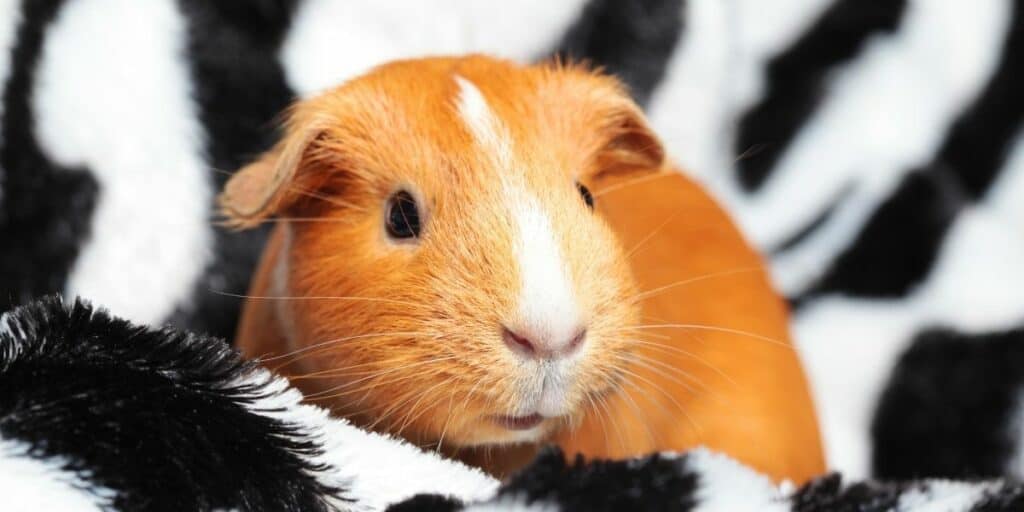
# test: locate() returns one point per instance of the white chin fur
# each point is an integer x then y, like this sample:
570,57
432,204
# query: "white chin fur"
527,436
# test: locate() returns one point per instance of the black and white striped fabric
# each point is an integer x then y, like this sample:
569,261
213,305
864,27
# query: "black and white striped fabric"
98,413
872,150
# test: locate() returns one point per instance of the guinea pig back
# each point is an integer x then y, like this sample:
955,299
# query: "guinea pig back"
713,364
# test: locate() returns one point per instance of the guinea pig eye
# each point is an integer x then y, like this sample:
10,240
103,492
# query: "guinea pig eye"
403,218
587,196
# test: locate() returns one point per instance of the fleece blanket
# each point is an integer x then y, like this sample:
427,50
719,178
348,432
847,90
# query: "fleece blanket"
99,413
872,150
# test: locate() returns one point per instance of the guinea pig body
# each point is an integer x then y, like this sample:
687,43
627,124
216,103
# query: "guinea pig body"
482,257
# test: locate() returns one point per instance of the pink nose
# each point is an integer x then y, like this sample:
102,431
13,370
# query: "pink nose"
541,348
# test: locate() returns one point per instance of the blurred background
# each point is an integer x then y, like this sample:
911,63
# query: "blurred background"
871,149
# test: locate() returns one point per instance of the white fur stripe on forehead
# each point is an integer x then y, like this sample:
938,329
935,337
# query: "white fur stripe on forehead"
547,306
486,128
547,303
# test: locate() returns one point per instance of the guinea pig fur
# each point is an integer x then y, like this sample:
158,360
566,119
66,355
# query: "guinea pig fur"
483,257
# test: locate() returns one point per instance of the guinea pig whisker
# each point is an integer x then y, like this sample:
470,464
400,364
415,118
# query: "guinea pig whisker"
381,373
646,362
661,390
652,383
713,328
336,371
662,405
603,403
405,398
469,395
381,417
327,346
652,335
275,220
409,418
689,334
600,419
345,371
655,291
402,399
314,297
643,179
335,341
330,372
670,349
328,199
448,418
421,374
571,422
305,192
409,396
654,231
598,406
667,372
641,416
365,389
465,406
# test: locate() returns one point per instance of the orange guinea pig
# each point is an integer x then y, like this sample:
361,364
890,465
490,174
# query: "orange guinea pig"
483,257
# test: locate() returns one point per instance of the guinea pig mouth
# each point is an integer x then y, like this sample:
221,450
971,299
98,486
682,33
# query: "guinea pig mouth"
519,422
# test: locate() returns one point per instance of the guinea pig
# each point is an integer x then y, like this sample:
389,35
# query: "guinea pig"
483,257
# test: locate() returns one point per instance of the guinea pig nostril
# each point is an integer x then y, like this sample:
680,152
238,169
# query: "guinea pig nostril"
575,343
516,342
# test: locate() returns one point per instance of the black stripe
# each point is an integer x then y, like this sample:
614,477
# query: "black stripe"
817,222
158,416
45,209
631,39
898,245
829,494
1006,497
650,483
427,503
977,145
797,79
946,409
240,89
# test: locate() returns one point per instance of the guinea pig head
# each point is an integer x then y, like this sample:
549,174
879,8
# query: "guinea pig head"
443,270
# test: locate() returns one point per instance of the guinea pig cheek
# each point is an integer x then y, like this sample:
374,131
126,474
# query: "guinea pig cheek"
607,291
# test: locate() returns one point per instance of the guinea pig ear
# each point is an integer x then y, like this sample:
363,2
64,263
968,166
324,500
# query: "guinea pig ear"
259,189
631,146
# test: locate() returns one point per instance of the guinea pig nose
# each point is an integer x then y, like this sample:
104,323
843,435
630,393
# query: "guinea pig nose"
518,344
541,348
